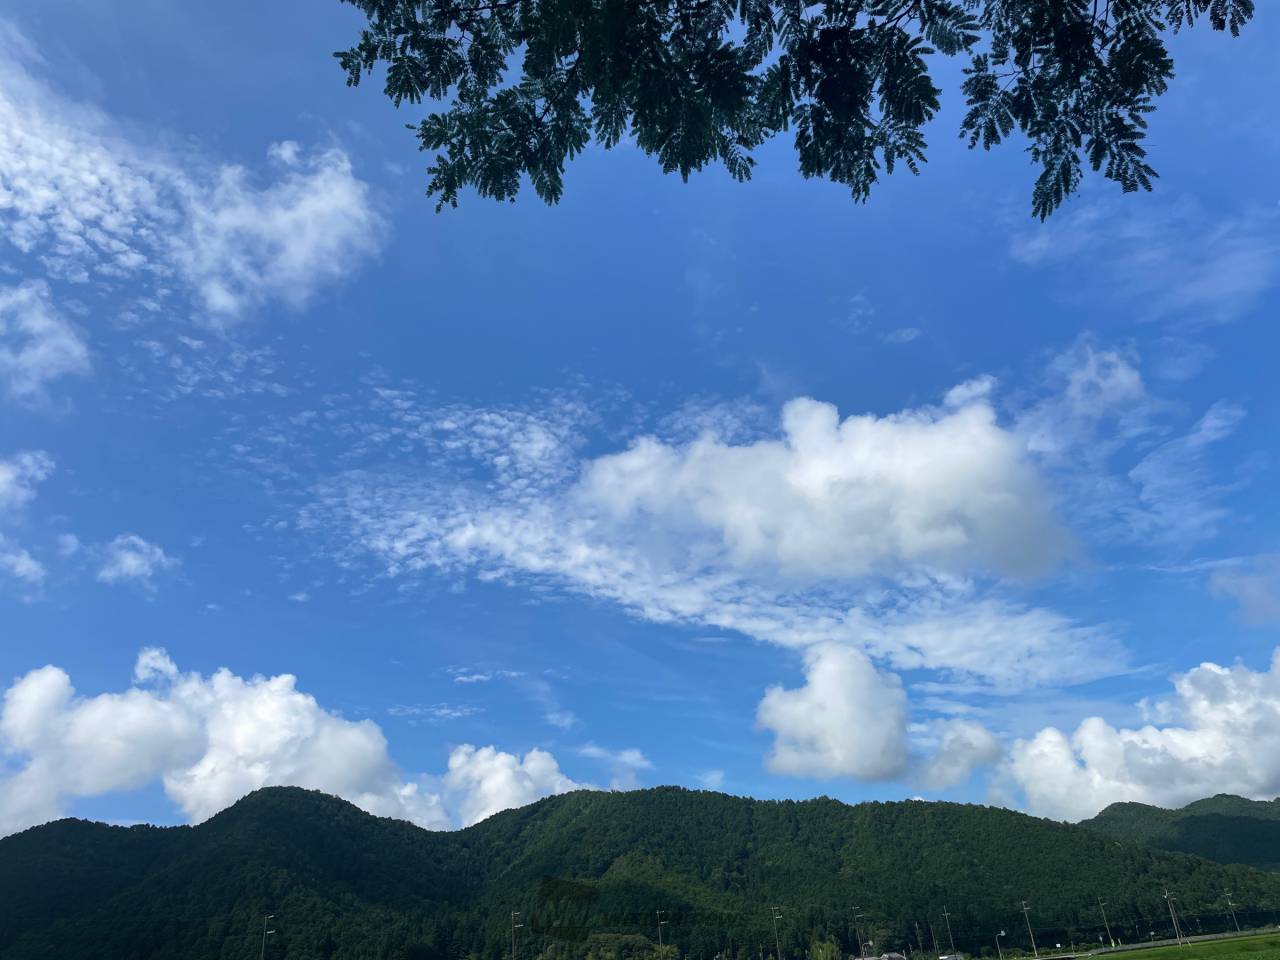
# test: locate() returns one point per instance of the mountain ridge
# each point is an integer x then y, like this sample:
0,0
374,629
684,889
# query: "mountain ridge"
1225,828
587,871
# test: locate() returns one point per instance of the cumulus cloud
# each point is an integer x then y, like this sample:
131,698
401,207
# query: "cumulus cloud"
1215,734
1254,585
484,780
847,720
37,344
130,559
836,498
210,740
963,747
83,201
832,530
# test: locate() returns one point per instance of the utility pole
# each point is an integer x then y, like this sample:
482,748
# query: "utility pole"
1102,905
919,941
1232,908
777,941
515,916
1026,913
934,934
999,949
947,917
1177,931
857,932
661,923
262,952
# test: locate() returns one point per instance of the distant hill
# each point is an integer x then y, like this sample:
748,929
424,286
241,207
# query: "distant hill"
1225,828
588,872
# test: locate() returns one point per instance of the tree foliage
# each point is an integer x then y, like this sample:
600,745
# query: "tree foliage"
523,86
588,872
1225,828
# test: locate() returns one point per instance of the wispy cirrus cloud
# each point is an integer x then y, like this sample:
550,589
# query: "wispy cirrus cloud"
144,230
1173,262
20,476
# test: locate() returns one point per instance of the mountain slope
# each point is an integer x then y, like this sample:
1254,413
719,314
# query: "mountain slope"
1225,828
345,884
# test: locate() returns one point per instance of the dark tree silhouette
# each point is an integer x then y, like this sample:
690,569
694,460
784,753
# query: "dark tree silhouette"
524,85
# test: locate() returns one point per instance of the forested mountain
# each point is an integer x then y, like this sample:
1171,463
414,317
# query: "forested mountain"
588,872
1225,828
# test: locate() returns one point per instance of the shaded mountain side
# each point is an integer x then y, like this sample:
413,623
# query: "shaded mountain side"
1224,828
587,872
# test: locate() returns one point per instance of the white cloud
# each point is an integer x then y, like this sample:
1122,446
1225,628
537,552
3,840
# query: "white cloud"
129,558
484,780
963,747
848,720
210,740
1173,261
1092,389
37,344
1178,497
837,531
434,712
85,201
901,335
833,499
711,779
1124,471
625,764
20,474
246,245
1254,585
18,563
1216,734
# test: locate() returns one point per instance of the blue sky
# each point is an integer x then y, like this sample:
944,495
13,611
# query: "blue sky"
741,486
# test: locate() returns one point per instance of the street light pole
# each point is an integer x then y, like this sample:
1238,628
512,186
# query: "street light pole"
1102,905
1026,913
661,923
947,917
262,952
999,949
515,915
777,941
1232,908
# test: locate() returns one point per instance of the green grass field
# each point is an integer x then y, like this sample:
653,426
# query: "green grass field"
1263,947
